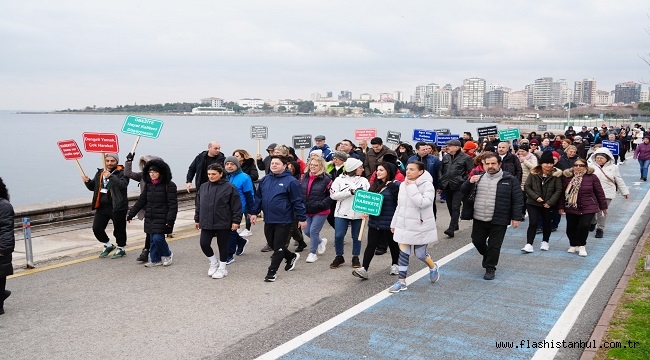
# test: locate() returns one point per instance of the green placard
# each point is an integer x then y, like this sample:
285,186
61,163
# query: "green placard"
142,126
367,202
508,134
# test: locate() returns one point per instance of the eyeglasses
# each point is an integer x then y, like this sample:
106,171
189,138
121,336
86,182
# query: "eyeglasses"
580,165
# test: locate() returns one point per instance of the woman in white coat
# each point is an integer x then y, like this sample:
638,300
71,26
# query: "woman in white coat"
414,225
611,181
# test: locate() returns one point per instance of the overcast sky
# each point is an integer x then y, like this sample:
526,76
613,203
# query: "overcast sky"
73,53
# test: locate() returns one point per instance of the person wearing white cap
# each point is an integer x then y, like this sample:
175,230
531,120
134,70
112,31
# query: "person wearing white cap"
342,191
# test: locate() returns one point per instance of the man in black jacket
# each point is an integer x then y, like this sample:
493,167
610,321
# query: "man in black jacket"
199,166
454,169
509,162
494,202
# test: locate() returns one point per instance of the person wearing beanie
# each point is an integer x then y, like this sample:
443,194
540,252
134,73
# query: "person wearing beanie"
470,148
264,164
611,181
110,202
244,185
543,189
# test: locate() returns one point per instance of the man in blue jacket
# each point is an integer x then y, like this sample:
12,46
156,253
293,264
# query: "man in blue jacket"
278,195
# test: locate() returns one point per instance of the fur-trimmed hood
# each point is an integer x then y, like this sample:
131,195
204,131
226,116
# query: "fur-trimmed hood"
146,158
569,172
538,170
163,168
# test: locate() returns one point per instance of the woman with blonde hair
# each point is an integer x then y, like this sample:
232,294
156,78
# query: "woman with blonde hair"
315,189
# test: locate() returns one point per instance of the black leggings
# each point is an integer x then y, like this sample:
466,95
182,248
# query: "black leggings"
535,214
100,222
577,228
222,242
375,238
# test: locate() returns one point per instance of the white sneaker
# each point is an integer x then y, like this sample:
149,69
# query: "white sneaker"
245,233
322,246
311,258
213,268
394,270
167,260
544,246
220,273
240,230
572,249
582,251
528,248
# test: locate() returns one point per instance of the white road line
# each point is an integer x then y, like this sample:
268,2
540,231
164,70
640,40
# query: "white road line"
568,318
338,319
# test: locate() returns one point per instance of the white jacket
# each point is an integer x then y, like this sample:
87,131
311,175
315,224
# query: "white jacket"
413,221
340,192
609,175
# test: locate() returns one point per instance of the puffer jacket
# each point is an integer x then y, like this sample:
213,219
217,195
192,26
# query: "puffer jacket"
317,196
117,185
609,175
548,188
527,164
509,204
388,207
7,239
137,176
454,170
340,192
413,221
248,167
591,197
159,201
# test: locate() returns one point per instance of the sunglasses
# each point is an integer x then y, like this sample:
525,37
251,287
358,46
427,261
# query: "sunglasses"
580,165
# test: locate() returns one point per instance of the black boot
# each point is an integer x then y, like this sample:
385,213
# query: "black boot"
144,256
301,246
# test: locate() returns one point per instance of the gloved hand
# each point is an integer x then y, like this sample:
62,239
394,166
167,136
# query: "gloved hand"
129,156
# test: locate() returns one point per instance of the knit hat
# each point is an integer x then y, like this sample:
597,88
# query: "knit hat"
556,155
114,156
352,164
341,155
389,158
469,145
546,158
233,160
524,147
534,141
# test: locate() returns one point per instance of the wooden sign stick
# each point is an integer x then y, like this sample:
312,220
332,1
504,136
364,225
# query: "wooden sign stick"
104,161
137,140
258,146
363,225
79,167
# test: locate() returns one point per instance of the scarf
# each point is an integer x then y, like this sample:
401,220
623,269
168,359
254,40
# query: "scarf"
571,192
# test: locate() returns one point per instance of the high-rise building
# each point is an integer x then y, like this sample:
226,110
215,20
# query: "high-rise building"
329,94
345,95
213,101
529,95
645,96
433,98
542,92
627,92
315,96
584,92
473,93
422,92
517,100
399,96
603,98
496,99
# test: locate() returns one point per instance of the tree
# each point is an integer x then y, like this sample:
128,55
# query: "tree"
644,106
305,106
282,108
573,105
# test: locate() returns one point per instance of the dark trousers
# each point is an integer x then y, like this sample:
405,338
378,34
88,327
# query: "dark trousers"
100,222
330,216
376,237
487,238
454,198
3,285
577,228
296,233
277,237
147,241
233,241
222,242
535,214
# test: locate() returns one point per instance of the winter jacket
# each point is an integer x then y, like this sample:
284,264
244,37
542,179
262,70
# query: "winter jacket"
198,167
341,193
413,221
278,195
249,168
264,164
511,164
7,239
454,170
117,184
159,201
642,151
373,159
432,164
317,195
565,162
507,208
527,164
242,182
388,207
137,176
591,197
609,175
218,205
548,188
327,152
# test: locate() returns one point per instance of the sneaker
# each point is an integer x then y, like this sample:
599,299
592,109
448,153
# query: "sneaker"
434,274
167,260
380,251
528,248
338,261
213,268
394,270
301,246
311,258
322,246
220,273
245,233
397,287
240,249
582,251
266,248
553,229
230,260
572,249
449,232
107,250
622,162
539,231
489,273
5,295
153,264
599,233
270,277
360,273
144,255
544,246
291,264
240,230
355,262
118,254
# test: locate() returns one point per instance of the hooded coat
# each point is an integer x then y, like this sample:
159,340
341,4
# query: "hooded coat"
609,175
137,176
159,201
413,221
7,239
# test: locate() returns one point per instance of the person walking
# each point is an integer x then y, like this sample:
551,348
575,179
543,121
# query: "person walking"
242,182
379,231
247,165
543,190
642,154
7,243
201,162
453,173
159,200
413,224
583,198
218,212
315,188
611,181
494,201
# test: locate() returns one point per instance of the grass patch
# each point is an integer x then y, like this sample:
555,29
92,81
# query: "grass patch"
630,325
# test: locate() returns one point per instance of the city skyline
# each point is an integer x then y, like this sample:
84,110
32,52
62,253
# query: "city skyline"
76,54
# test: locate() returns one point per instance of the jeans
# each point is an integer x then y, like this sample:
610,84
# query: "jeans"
159,247
644,167
314,226
340,229
233,241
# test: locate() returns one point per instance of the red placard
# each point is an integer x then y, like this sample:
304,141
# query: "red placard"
70,149
365,134
101,142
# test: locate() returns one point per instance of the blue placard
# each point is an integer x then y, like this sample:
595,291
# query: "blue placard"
442,139
428,136
613,146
